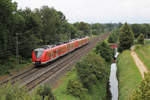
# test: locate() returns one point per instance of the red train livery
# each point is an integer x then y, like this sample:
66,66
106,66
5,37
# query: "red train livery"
49,53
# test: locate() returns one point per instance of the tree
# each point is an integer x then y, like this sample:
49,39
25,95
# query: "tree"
84,27
49,25
113,38
126,38
7,10
75,88
92,69
142,92
140,39
45,92
97,28
105,51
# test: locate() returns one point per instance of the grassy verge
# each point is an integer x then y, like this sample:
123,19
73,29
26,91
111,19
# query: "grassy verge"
147,41
98,90
128,75
144,54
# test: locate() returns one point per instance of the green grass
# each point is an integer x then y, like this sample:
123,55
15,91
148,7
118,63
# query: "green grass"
147,41
143,53
128,75
98,91
61,91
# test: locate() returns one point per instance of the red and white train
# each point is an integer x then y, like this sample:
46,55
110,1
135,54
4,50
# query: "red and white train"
49,53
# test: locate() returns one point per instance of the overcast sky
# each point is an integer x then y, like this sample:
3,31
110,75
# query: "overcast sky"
92,11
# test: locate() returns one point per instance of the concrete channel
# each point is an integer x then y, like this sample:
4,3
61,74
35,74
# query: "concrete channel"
113,81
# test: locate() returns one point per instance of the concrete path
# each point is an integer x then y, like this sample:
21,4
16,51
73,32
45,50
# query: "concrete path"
142,68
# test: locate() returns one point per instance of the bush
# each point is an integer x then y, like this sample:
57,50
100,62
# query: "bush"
75,88
140,39
143,91
137,47
105,51
91,69
113,37
13,92
45,92
9,92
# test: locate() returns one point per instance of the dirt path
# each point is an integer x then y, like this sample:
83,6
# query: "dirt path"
142,68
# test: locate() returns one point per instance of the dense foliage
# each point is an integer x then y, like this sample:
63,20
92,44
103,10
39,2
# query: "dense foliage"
140,39
91,69
105,51
141,28
75,88
113,37
45,92
22,30
143,91
126,37
9,92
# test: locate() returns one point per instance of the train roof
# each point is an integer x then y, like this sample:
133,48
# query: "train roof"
59,43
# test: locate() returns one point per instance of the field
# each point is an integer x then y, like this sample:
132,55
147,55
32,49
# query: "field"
97,93
144,54
128,75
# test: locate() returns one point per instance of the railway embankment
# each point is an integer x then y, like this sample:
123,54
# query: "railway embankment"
143,52
128,75
141,58
55,74
88,80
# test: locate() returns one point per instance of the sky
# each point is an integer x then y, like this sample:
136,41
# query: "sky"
96,11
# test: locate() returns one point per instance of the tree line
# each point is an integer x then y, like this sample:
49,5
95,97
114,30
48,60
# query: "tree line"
22,30
127,35
38,27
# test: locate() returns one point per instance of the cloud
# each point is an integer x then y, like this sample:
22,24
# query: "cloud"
97,10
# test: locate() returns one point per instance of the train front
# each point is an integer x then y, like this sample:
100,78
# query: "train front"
38,56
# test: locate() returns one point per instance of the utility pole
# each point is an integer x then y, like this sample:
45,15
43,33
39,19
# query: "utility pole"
17,50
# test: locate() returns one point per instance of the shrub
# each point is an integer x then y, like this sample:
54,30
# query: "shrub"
105,51
13,92
75,88
113,37
9,92
45,92
137,47
140,39
143,91
91,69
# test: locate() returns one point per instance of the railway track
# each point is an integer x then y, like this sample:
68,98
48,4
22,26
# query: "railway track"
32,84
34,76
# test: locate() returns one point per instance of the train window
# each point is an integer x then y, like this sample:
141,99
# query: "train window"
48,54
38,52
63,50
52,54
59,50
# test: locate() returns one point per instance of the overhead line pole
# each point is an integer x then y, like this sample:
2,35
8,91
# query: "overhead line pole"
17,50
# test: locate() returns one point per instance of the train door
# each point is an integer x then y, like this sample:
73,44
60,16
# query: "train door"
54,53
48,56
68,47
57,52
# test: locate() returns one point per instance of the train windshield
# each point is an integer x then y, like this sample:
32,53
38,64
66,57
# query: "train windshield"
38,52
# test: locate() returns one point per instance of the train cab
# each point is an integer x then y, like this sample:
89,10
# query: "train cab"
37,56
